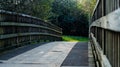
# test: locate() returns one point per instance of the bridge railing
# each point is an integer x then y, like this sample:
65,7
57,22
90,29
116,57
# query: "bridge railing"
19,29
104,7
105,33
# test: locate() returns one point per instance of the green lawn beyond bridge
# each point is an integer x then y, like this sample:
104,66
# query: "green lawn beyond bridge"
74,38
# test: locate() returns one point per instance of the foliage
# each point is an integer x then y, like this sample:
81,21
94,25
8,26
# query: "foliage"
42,8
74,38
38,8
70,17
88,6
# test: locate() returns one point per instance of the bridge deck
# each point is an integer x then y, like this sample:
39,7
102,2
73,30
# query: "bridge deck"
54,54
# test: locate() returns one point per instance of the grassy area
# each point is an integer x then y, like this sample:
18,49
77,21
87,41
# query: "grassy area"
74,38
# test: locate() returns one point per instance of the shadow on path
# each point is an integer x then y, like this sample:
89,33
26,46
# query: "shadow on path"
78,56
12,53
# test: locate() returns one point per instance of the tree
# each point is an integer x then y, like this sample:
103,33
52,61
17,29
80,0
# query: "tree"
38,8
70,16
88,6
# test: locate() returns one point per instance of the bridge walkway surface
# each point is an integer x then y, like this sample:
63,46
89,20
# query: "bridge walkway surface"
53,54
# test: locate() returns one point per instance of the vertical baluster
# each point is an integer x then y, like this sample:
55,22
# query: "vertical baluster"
118,49
113,49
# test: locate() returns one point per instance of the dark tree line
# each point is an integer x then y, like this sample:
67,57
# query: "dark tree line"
38,8
70,15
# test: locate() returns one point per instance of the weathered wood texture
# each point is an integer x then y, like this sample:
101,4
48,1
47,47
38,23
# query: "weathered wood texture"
105,33
20,29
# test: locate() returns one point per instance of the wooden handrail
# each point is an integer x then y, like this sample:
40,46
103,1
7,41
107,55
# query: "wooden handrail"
105,33
16,28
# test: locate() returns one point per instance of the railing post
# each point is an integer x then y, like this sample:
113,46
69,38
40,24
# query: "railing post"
18,29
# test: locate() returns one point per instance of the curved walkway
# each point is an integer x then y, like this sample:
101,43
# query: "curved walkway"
53,54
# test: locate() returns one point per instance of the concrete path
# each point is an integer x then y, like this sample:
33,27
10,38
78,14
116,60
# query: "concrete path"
46,55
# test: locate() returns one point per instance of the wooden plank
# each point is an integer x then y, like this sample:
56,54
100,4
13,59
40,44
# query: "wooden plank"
103,59
25,34
1,44
106,22
1,30
90,55
25,24
25,16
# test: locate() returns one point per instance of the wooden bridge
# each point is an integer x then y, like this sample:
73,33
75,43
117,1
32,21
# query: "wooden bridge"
27,40
105,33
53,54
36,43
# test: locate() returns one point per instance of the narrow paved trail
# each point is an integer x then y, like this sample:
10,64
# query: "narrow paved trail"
53,54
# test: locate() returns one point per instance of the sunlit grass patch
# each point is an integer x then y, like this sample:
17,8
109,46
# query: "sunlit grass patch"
74,38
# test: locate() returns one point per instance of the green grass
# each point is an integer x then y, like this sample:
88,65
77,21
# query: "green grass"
74,38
